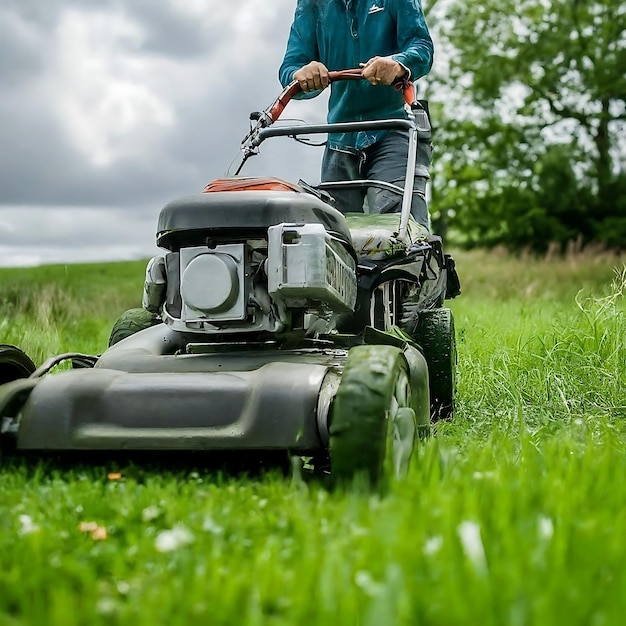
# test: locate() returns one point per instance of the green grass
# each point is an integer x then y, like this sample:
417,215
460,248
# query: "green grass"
514,513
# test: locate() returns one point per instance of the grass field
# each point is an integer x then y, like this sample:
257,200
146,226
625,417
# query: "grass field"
515,511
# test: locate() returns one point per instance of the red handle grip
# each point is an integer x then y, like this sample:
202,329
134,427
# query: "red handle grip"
275,110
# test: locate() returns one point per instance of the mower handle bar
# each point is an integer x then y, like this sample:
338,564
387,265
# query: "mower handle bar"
293,88
317,129
266,118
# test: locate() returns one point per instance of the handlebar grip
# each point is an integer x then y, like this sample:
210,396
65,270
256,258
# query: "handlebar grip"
275,110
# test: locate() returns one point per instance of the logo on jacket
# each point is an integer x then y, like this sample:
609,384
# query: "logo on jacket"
375,9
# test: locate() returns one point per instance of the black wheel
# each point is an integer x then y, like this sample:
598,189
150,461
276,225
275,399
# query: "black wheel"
14,364
131,322
372,423
434,332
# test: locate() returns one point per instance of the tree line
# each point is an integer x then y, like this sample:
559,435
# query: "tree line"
529,122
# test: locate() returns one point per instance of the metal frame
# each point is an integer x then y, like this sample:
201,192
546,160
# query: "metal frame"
409,124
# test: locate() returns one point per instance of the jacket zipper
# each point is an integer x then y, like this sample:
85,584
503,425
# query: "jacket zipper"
354,31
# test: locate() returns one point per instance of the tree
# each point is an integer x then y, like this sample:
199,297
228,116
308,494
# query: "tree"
534,131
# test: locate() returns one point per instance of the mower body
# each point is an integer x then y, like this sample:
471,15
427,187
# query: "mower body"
265,298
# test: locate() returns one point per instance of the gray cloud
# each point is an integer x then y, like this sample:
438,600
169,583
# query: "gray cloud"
32,236
20,58
111,108
168,33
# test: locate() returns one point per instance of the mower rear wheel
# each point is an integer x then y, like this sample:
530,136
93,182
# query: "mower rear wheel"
435,334
372,422
131,322
14,364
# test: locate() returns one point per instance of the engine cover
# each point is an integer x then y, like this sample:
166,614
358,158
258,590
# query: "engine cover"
212,283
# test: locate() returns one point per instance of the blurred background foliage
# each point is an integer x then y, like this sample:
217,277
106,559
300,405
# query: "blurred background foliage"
529,123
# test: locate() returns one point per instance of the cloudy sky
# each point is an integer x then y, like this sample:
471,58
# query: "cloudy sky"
111,108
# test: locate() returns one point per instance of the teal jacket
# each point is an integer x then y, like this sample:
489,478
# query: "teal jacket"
343,33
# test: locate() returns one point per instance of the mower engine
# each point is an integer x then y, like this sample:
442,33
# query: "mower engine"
298,277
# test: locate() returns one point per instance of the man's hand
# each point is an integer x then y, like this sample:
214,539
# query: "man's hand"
382,71
312,77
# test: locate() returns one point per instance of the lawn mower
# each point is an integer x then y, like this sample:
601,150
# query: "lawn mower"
273,322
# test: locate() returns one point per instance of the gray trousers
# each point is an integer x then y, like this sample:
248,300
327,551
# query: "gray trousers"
385,160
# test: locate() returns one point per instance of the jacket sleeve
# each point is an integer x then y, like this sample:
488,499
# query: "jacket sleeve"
302,45
414,40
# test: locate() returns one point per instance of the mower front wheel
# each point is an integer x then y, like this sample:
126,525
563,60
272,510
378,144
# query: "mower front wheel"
373,427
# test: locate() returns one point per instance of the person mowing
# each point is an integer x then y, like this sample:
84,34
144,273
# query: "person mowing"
389,40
